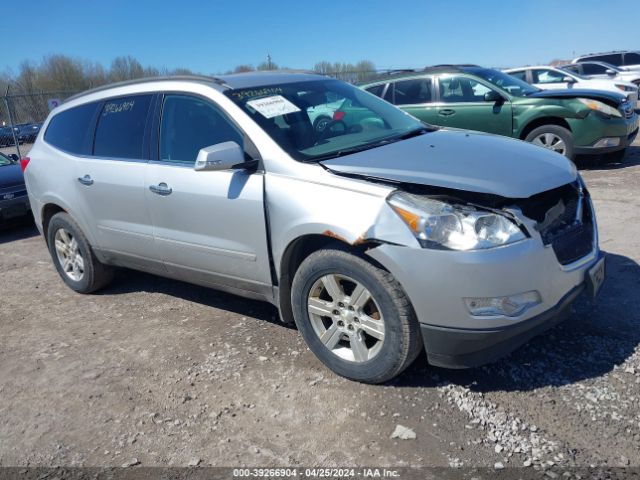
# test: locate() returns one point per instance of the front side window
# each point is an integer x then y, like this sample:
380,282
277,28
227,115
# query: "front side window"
190,124
461,89
69,130
415,91
4,161
547,76
352,120
593,69
120,130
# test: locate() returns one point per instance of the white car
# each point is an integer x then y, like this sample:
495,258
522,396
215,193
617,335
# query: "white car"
624,59
602,70
552,78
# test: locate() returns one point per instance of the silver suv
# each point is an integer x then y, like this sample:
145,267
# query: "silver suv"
377,235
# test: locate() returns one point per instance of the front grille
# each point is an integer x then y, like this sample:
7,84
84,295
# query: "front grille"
626,109
564,219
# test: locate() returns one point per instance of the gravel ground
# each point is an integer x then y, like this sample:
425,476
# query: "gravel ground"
157,372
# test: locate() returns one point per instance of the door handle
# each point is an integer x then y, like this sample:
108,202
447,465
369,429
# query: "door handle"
86,180
446,112
161,189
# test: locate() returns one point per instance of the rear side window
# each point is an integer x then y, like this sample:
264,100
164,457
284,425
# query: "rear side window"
520,75
376,90
407,92
69,130
189,124
632,58
612,58
120,130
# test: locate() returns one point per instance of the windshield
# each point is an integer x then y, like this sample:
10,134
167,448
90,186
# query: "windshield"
506,82
4,161
319,119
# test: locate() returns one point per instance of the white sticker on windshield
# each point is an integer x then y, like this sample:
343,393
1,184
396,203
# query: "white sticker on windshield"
273,106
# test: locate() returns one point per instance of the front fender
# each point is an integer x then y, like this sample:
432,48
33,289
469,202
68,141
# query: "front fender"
352,211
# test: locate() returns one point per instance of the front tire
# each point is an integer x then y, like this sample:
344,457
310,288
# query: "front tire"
553,137
73,257
354,316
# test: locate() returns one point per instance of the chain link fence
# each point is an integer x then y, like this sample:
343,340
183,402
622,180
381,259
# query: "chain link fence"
21,116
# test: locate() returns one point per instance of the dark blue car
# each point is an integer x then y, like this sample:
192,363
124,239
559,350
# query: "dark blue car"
13,192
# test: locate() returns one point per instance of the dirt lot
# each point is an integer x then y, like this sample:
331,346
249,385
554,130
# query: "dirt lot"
165,373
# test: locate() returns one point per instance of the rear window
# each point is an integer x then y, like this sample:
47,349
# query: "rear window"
120,130
69,130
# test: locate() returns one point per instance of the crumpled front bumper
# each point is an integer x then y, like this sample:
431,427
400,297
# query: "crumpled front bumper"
437,281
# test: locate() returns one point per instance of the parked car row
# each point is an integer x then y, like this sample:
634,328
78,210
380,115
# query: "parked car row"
24,133
567,121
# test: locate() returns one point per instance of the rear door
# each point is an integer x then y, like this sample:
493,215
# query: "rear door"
110,181
461,104
416,97
209,226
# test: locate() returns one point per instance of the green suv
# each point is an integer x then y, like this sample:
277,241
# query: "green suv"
569,122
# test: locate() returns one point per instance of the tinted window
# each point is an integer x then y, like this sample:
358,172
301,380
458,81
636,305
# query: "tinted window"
456,89
69,130
632,59
120,130
189,124
593,69
612,58
407,92
376,90
520,75
575,68
547,76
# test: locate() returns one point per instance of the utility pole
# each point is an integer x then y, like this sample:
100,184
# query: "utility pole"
269,64
13,130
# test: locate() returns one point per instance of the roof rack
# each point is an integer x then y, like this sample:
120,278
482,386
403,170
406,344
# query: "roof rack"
136,81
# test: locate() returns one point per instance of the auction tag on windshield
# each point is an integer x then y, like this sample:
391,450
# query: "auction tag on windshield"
273,106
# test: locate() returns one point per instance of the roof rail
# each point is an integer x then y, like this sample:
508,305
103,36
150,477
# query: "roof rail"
136,81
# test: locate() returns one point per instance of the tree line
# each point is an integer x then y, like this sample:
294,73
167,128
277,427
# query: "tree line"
58,76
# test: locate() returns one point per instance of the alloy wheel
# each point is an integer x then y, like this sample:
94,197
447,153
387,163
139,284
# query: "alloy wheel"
550,141
346,318
69,255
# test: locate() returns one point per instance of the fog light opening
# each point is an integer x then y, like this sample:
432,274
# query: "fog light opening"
607,142
508,306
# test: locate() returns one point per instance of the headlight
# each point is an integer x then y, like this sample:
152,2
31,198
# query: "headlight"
600,107
626,88
438,224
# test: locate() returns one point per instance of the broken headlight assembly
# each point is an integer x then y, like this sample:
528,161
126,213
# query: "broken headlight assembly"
443,225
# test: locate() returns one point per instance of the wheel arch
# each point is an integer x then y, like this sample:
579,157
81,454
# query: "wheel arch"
299,249
539,122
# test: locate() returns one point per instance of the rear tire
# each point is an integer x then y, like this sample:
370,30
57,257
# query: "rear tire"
553,137
73,257
379,336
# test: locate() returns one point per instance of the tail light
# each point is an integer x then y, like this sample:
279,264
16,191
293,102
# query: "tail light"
338,115
24,162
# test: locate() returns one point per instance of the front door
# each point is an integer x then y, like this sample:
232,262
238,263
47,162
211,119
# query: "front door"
462,105
209,226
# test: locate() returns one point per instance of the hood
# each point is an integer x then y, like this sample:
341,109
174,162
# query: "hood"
462,160
10,176
612,98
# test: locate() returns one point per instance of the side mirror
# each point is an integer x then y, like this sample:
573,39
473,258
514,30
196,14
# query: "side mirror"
493,96
13,157
611,73
221,156
569,80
